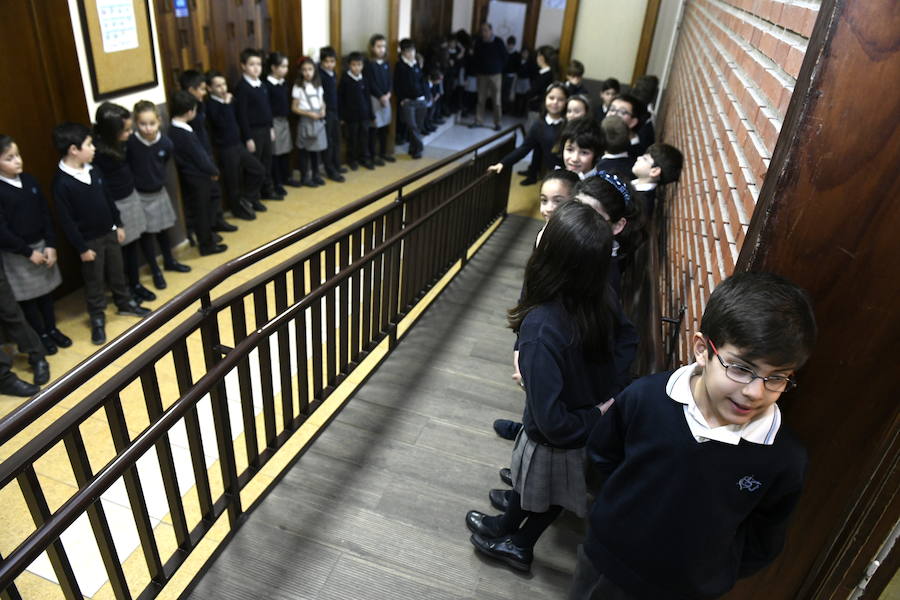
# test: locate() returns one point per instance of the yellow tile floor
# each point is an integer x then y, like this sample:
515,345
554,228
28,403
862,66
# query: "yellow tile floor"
301,206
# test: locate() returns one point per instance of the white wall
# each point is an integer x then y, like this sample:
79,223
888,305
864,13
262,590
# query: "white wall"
550,22
155,94
315,21
607,36
359,20
664,37
405,26
462,14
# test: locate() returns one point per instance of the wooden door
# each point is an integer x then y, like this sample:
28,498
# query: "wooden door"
43,87
431,20
532,14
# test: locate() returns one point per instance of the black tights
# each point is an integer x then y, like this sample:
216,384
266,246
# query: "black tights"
39,313
130,254
281,168
379,135
510,522
309,163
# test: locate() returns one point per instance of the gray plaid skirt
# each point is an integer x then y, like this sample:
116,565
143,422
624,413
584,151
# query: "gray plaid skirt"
27,279
132,214
158,212
282,136
545,476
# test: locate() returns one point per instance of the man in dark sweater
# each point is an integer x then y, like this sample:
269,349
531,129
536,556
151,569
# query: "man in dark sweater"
490,60
697,474
409,83
356,111
91,222
254,114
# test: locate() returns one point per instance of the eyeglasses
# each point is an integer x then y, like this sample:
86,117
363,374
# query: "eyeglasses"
773,383
618,111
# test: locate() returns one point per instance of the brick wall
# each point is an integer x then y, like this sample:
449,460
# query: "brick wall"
733,74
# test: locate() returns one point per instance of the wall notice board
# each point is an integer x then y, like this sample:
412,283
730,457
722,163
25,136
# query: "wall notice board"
119,43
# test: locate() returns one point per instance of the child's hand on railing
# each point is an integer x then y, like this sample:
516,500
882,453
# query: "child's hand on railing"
495,168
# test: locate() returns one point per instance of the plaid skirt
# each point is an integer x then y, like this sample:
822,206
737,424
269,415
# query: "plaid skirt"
27,279
545,476
282,129
158,212
132,214
382,113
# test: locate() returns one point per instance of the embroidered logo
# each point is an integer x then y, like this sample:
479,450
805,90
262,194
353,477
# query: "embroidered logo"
162,154
748,483
34,191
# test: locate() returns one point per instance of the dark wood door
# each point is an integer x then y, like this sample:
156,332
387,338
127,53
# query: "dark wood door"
44,87
431,20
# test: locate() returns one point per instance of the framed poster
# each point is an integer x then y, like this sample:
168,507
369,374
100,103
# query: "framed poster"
119,44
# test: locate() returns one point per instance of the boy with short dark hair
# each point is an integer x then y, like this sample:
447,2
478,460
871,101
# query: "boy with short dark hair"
331,157
411,95
631,110
91,222
615,158
377,73
609,89
661,164
356,110
435,86
696,474
254,114
574,78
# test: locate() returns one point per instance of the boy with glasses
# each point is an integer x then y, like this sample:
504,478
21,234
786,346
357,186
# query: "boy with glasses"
631,110
697,475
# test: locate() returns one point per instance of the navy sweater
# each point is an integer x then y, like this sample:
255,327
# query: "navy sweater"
148,163
24,217
330,93
409,82
86,212
252,107
679,519
223,123
353,97
118,178
198,123
490,57
543,137
191,157
378,77
279,98
620,167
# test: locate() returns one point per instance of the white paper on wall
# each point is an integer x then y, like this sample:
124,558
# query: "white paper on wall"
118,26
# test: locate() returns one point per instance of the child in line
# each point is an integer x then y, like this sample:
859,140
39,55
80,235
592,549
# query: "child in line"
91,221
545,57
148,152
280,104
356,112
377,73
28,244
196,171
540,139
510,71
312,138
631,110
616,159
13,321
331,157
409,82
242,173
435,102
696,476
568,323
582,143
254,113
527,71
575,77
660,165
609,89
112,128
577,107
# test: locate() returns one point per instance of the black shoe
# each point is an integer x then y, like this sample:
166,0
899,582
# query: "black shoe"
41,370
224,226
141,293
49,344
216,237
308,182
318,180
353,166
243,213
507,429
497,128
132,309
528,181
415,155
525,173
59,338
388,158
506,476
258,206
475,523
293,182
335,176
503,549
280,191
378,162
98,329
159,282
177,267
499,499
272,195
214,249
369,165
342,169
13,386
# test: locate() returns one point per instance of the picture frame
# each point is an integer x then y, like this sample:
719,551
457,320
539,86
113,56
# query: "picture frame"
118,40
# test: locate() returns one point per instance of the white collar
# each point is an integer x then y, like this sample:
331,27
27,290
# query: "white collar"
353,77
15,181
615,248
411,63
619,155
551,121
182,125
253,82
145,142
82,175
635,140
272,80
379,61
220,100
640,186
544,70
329,72
761,430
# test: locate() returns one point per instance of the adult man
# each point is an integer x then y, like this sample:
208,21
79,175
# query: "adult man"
489,58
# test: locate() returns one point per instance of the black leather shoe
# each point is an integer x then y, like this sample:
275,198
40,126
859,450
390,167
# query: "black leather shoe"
159,282
353,166
224,226
59,338
132,309
308,182
369,165
507,429
388,158
318,180
335,176
293,182
259,206
499,499
214,249
342,170
475,523
280,191
378,161
503,549
506,476
48,343
177,267
271,196
141,293
41,370
13,386
245,214
98,330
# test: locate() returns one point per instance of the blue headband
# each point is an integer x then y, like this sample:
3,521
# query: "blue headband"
616,183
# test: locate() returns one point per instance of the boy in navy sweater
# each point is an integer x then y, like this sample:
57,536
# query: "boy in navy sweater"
660,165
254,114
377,73
356,110
91,222
196,170
697,474
409,83
327,75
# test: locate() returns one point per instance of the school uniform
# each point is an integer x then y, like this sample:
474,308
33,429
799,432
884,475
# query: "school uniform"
332,155
242,172
311,135
538,89
16,329
645,195
409,83
356,111
195,171
200,125
574,88
639,144
715,501
148,160
280,102
541,138
254,115
89,217
119,180
377,74
618,164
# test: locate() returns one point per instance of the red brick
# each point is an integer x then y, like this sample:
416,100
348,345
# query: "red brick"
809,22
781,52
748,201
792,17
755,37
767,45
784,101
794,62
775,11
771,87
